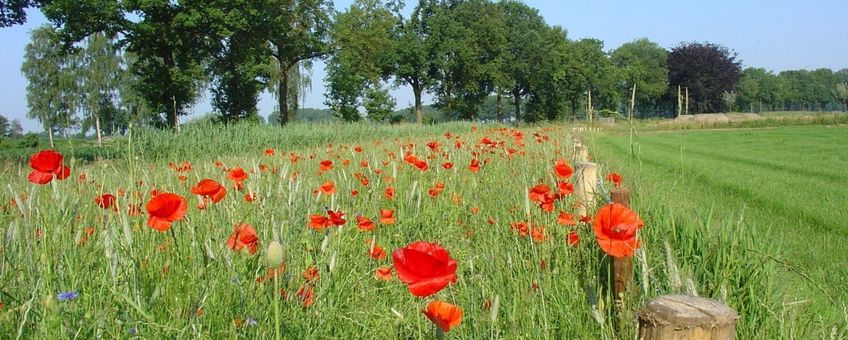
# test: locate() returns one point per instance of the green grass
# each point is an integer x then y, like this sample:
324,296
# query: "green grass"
133,280
785,184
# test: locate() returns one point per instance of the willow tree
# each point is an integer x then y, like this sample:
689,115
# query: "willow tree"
46,68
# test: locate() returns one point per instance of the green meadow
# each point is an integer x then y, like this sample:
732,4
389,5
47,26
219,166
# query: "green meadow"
787,185
753,218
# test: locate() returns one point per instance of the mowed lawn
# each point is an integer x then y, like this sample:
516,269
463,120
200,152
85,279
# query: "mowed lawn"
789,184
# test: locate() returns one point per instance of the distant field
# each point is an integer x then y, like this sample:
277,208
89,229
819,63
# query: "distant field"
788,184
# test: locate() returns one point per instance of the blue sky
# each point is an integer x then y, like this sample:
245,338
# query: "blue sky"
776,35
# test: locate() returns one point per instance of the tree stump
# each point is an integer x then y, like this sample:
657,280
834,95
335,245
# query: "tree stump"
686,317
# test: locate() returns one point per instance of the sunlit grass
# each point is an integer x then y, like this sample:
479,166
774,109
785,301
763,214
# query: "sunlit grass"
133,281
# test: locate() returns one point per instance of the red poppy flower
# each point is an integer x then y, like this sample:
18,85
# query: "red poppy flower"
447,165
336,218
573,239
269,152
387,216
443,314
376,252
105,201
325,165
251,197
328,188
615,178
311,273
319,222
563,171
475,165
426,268
244,235
615,228
389,193
357,148
211,189
566,219
384,273
45,165
306,295
164,209
237,175
565,188
364,223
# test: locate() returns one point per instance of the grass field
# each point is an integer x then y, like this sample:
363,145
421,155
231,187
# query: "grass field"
788,184
69,268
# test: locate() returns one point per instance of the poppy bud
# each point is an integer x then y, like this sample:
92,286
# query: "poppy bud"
274,254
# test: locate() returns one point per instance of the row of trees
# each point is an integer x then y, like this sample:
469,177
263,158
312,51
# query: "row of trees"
113,62
10,128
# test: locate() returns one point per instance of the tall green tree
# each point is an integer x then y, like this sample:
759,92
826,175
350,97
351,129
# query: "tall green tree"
98,75
468,39
4,126
299,32
47,68
550,81
240,57
169,38
362,44
520,55
589,70
412,57
707,70
642,64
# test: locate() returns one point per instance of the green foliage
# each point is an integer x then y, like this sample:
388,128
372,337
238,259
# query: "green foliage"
362,43
707,70
50,73
642,63
378,104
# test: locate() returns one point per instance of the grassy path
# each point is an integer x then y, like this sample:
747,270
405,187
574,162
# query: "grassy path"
790,184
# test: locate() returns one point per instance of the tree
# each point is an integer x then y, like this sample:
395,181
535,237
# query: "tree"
361,38
239,58
45,67
299,32
728,98
642,64
378,104
589,70
525,28
412,60
467,40
12,12
98,74
4,126
15,128
549,83
169,38
842,94
707,70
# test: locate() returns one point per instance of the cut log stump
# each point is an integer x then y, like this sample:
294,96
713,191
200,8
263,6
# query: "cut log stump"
686,317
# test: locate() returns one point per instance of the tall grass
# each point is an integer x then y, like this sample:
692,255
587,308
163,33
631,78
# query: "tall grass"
135,282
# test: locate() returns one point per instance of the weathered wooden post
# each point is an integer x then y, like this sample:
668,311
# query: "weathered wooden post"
581,153
686,317
622,267
585,184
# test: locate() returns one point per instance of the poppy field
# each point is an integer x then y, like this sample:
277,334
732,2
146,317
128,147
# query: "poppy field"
341,231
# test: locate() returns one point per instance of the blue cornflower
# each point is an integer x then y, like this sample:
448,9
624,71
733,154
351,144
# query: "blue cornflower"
66,296
251,321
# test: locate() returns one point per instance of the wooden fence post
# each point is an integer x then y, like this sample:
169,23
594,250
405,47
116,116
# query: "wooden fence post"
622,267
686,317
586,184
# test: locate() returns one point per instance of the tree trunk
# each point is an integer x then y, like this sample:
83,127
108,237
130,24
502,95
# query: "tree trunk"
50,136
283,95
419,111
97,128
516,97
498,105
172,115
